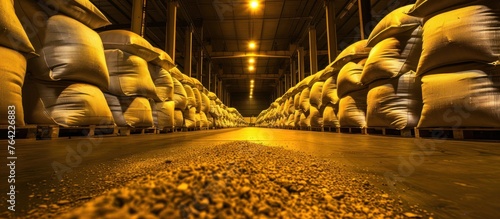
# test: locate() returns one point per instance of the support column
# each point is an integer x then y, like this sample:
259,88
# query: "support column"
199,65
301,61
365,16
188,52
171,28
313,51
138,17
331,30
209,85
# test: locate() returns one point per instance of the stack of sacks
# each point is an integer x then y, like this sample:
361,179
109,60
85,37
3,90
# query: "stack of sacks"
201,118
291,108
459,63
346,71
352,94
394,97
205,109
296,105
212,114
329,98
316,109
180,97
64,88
131,86
15,47
190,111
163,110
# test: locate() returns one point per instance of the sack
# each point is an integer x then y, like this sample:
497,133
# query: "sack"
205,103
468,34
12,34
178,118
349,79
163,60
12,72
191,100
69,51
329,92
180,95
129,75
355,51
315,117
392,57
352,109
461,96
304,100
82,10
394,103
429,8
163,114
330,116
315,97
394,24
67,104
197,97
189,115
133,112
129,42
163,82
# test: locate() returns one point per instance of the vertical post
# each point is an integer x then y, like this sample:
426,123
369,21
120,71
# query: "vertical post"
292,71
188,52
301,61
365,16
331,30
138,16
209,75
171,28
199,65
313,51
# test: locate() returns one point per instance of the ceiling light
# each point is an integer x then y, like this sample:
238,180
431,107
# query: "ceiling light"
252,45
251,85
251,68
254,4
251,96
251,60
251,81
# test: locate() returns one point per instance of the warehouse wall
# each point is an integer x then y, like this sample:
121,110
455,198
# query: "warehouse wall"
250,107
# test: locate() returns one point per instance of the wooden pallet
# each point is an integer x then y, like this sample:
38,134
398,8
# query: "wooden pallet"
56,131
331,129
21,132
353,130
317,129
458,133
390,131
126,131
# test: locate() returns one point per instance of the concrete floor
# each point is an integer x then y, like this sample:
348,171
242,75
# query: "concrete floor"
452,179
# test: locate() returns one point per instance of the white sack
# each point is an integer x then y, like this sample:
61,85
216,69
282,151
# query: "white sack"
163,114
394,103
129,75
163,82
82,10
129,42
352,109
330,116
315,97
64,103
133,112
349,79
12,73
180,95
304,100
12,34
178,118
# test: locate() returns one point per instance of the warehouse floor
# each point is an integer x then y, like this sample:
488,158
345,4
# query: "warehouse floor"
436,178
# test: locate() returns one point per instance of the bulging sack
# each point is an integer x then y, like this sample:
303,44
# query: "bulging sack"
304,100
329,92
129,42
352,53
349,79
163,82
394,103
163,60
394,24
330,116
468,34
64,103
12,34
69,51
129,75
180,95
82,10
315,96
429,8
352,109
133,112
461,96
392,57
12,73
163,114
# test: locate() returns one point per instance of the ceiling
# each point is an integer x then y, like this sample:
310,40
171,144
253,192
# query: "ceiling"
223,29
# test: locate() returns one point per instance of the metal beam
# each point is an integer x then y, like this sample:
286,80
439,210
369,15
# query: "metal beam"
171,28
313,51
301,61
365,17
331,30
264,54
138,17
188,52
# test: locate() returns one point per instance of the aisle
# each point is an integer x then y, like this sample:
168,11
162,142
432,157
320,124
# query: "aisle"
452,179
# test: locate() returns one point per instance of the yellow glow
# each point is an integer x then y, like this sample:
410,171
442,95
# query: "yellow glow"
251,85
252,45
251,96
251,60
254,4
251,81
251,68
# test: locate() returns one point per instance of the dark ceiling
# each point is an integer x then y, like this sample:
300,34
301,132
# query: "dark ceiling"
223,28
